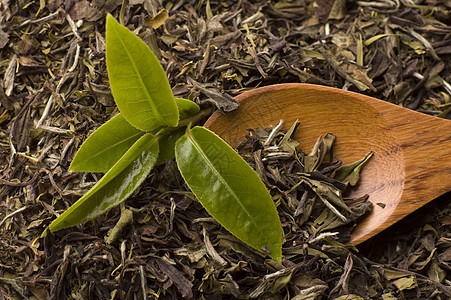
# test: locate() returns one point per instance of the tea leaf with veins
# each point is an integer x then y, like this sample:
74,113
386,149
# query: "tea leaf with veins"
229,190
138,82
115,186
149,122
105,146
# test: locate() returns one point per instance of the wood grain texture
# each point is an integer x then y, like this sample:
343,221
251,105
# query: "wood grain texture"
412,152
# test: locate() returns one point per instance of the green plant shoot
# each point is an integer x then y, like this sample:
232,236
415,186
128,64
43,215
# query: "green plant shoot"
152,127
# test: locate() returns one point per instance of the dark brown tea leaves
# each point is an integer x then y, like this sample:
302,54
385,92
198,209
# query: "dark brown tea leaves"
309,188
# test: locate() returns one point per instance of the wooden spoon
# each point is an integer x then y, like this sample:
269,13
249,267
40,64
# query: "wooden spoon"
412,152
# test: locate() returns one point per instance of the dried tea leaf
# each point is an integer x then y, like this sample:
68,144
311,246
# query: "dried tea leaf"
287,143
272,283
421,264
316,157
311,293
211,250
360,53
4,101
330,195
231,242
10,75
405,283
338,10
193,252
125,219
349,297
327,220
222,101
158,20
375,38
4,38
350,173
169,39
184,286
435,272
79,10
303,281
388,296
393,274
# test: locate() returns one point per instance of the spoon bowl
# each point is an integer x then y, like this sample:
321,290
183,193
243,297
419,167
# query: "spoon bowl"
411,164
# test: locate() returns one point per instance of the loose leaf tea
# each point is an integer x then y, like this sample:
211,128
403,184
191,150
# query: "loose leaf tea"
54,74
311,195
350,173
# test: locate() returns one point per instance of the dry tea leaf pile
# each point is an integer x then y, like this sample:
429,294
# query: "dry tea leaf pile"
310,189
181,252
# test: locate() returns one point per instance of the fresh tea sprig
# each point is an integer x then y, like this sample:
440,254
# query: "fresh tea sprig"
153,126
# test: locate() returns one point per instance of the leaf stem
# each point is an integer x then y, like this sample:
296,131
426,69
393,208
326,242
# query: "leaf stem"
185,122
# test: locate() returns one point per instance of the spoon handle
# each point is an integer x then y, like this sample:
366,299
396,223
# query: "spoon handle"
423,148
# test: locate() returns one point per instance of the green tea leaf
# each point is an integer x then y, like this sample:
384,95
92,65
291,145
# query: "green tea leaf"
167,145
138,81
115,186
105,146
229,190
167,141
350,173
187,108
